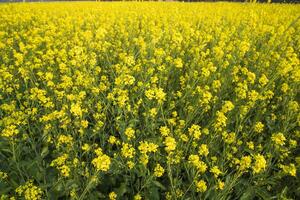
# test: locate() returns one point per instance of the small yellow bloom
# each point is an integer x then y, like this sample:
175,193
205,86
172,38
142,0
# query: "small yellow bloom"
137,197
245,163
86,147
284,87
203,150
195,161
127,150
158,170
278,138
102,162
201,186
263,80
228,106
29,191
220,185
130,164
195,131
289,169
170,144
112,140
259,127
260,164
164,130
112,196
129,132
76,109
216,171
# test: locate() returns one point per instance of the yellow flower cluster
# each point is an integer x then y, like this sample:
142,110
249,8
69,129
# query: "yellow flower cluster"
158,170
245,162
260,163
156,93
102,161
131,100
129,132
259,127
278,138
112,196
127,150
29,191
196,162
201,186
60,164
147,147
170,144
194,131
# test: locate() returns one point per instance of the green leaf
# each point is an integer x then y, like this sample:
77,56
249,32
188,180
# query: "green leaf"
121,190
158,184
44,152
154,193
248,194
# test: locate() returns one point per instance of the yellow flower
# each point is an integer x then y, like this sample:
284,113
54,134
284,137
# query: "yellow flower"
216,84
259,164
228,106
164,130
170,144
64,170
278,138
65,139
144,159
130,164
60,164
195,161
250,145
102,162
221,121
203,150
10,131
184,137
129,132
156,93
112,196
137,197
160,95
29,191
86,147
112,139
3,175
76,109
245,163
284,87
293,106
259,127
201,186
229,138
289,169
127,150
147,147
194,131
220,185
178,63
153,112
263,80
84,123
253,95
216,171
158,170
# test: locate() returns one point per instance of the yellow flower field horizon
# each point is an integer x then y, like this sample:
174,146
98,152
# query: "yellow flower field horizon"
156,100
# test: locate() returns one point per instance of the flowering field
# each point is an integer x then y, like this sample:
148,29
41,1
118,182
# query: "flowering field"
149,101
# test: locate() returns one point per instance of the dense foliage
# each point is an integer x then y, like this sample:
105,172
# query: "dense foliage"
149,101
